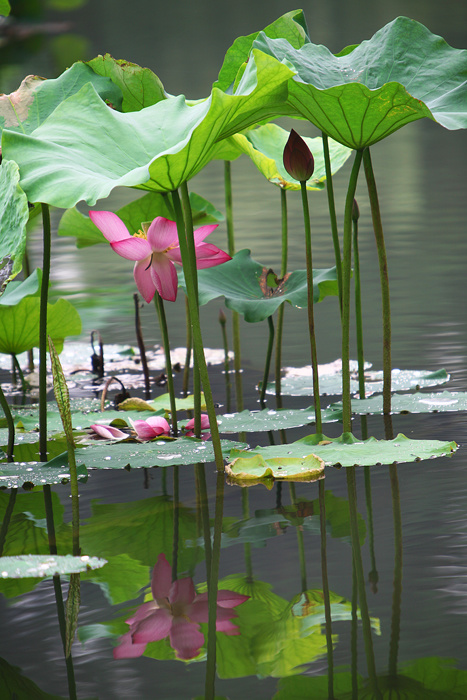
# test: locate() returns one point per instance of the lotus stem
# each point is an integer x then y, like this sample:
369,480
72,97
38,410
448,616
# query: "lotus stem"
190,274
300,542
189,343
397,581
10,425
383,272
24,387
332,215
346,273
7,518
247,545
354,635
281,311
225,343
142,349
200,474
267,363
373,575
358,303
168,362
176,523
324,576
311,317
43,333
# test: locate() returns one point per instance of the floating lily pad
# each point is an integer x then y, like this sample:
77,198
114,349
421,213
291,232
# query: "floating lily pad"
298,381
159,453
349,451
40,565
268,419
253,291
441,402
256,467
15,475
265,146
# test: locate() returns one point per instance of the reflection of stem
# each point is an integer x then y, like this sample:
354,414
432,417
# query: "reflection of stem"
267,363
10,425
397,583
225,344
301,548
247,545
373,575
43,334
311,318
324,575
176,522
357,560
196,328
168,362
281,312
383,271
353,635
186,369
332,215
142,349
6,519
346,272
203,503
213,584
24,386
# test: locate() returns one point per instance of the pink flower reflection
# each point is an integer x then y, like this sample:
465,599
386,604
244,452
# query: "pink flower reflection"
176,612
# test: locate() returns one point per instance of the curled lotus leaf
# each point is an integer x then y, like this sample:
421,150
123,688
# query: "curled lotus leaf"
243,468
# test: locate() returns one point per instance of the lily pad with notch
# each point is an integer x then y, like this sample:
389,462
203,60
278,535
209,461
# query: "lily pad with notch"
439,402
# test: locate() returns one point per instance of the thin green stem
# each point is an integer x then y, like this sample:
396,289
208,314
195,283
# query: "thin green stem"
24,386
189,343
168,362
196,328
267,363
10,425
247,545
204,507
384,278
213,586
225,344
300,542
346,274
6,519
43,333
229,207
281,311
397,582
358,312
324,576
176,522
332,215
373,575
354,635
142,349
311,317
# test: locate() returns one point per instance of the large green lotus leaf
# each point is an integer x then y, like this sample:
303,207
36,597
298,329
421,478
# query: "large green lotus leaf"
74,223
269,419
364,94
36,98
441,402
27,474
34,565
161,453
85,149
19,324
265,146
140,87
16,291
291,26
249,288
27,530
248,467
14,215
12,682
349,451
298,381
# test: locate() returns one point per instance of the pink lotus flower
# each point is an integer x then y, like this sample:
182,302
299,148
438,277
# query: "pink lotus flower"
153,427
109,432
155,251
190,427
176,612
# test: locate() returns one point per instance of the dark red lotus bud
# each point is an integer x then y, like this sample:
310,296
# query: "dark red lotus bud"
355,211
298,159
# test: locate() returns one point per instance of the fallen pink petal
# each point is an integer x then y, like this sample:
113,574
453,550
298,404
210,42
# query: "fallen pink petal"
190,427
151,428
109,432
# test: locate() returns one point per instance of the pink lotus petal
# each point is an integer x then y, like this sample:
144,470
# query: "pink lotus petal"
143,430
199,611
162,234
186,638
230,599
143,611
152,628
144,281
159,423
164,276
204,423
202,232
108,431
227,627
211,260
127,649
110,225
161,581
133,248
182,594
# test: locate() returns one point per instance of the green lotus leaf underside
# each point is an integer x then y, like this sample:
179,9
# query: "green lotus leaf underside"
239,280
85,149
14,215
349,451
146,208
40,565
367,92
265,146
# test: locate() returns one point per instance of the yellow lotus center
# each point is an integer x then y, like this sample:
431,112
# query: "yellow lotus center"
140,234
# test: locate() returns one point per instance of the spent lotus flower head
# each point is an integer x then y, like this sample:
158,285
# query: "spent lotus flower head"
155,250
298,159
151,428
176,612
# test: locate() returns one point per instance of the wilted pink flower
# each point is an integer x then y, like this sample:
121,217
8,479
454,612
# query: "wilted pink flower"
152,427
108,431
190,427
298,159
176,612
155,251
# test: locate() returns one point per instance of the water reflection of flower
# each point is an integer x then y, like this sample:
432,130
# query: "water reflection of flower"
176,612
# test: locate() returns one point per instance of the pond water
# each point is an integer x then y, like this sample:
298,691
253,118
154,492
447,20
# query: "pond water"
412,516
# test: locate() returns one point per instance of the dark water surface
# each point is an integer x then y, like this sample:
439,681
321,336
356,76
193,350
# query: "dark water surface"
421,173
